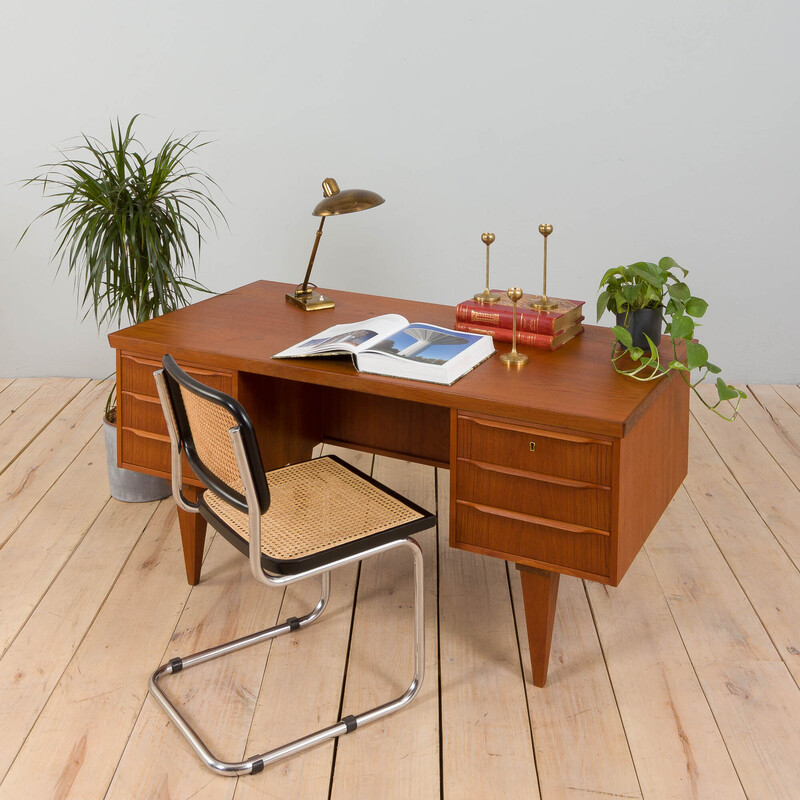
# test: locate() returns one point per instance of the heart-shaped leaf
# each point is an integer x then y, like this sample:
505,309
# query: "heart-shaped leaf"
725,391
610,273
679,291
668,263
696,355
682,327
623,335
696,306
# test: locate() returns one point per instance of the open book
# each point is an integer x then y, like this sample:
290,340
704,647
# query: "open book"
391,345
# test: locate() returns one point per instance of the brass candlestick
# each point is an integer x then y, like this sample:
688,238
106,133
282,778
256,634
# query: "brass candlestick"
544,304
486,296
514,358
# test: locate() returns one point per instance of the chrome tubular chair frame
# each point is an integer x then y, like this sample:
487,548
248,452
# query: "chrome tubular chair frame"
347,724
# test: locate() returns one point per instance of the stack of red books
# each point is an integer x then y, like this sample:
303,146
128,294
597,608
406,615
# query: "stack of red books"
548,330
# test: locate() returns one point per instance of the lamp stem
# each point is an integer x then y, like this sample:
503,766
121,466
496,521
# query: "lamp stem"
304,288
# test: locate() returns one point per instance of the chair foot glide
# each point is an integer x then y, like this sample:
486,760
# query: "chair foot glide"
351,723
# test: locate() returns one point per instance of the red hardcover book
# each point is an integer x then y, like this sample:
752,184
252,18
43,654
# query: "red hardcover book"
540,340
498,315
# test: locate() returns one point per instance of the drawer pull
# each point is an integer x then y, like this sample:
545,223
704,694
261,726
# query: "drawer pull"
533,446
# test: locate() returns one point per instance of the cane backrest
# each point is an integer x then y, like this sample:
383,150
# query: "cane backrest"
204,418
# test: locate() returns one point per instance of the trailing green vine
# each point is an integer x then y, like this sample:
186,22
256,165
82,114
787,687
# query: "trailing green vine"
646,285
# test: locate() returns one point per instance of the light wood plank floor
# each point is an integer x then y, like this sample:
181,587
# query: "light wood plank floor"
681,683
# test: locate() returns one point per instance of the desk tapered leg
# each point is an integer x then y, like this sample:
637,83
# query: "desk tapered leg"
193,537
539,593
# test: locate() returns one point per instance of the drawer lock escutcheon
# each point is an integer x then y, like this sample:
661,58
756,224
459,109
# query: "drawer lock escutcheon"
533,446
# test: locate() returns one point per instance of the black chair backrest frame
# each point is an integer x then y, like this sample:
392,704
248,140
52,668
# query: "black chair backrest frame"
175,378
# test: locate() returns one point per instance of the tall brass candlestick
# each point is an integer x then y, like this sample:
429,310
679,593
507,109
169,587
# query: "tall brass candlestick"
514,359
544,304
486,296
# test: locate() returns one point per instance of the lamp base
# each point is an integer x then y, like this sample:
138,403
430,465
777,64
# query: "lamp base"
310,301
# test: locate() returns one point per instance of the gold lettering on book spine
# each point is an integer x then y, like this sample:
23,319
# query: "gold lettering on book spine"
486,317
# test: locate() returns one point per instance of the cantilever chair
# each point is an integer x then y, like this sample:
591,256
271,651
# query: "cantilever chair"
294,522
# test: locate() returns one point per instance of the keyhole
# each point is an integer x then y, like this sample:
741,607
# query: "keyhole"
533,446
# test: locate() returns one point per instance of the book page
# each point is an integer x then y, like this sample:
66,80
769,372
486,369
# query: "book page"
423,343
352,337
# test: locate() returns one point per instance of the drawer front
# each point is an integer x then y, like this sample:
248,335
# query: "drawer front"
151,452
517,536
583,504
138,450
137,376
533,450
143,413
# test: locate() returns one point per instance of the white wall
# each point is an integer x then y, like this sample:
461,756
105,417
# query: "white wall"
636,130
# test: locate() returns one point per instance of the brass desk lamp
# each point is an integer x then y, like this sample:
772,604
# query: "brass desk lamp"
334,203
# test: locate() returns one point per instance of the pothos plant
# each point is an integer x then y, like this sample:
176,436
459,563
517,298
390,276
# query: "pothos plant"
126,221
644,285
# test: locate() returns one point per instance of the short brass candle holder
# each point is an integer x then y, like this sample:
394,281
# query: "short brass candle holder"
486,296
544,304
514,359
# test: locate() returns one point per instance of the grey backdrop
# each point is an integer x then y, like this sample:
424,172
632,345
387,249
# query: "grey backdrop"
638,130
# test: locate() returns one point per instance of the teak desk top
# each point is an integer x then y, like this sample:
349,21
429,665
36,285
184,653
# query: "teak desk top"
561,466
575,386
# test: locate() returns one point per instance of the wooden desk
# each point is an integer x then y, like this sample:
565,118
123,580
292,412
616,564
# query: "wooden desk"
562,466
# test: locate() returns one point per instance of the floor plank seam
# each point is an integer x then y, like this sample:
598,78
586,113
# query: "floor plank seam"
45,424
262,683
612,687
437,538
346,670
42,499
77,648
54,579
733,572
795,564
44,490
525,688
163,655
783,434
694,671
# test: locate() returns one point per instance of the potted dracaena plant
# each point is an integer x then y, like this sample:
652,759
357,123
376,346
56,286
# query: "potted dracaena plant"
127,219
644,296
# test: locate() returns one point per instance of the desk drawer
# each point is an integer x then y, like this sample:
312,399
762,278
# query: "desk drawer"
138,449
515,537
510,444
152,452
142,412
136,376
561,499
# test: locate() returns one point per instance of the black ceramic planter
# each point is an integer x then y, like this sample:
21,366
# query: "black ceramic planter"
643,321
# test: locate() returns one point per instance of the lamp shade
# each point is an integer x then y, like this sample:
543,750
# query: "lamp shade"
338,202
